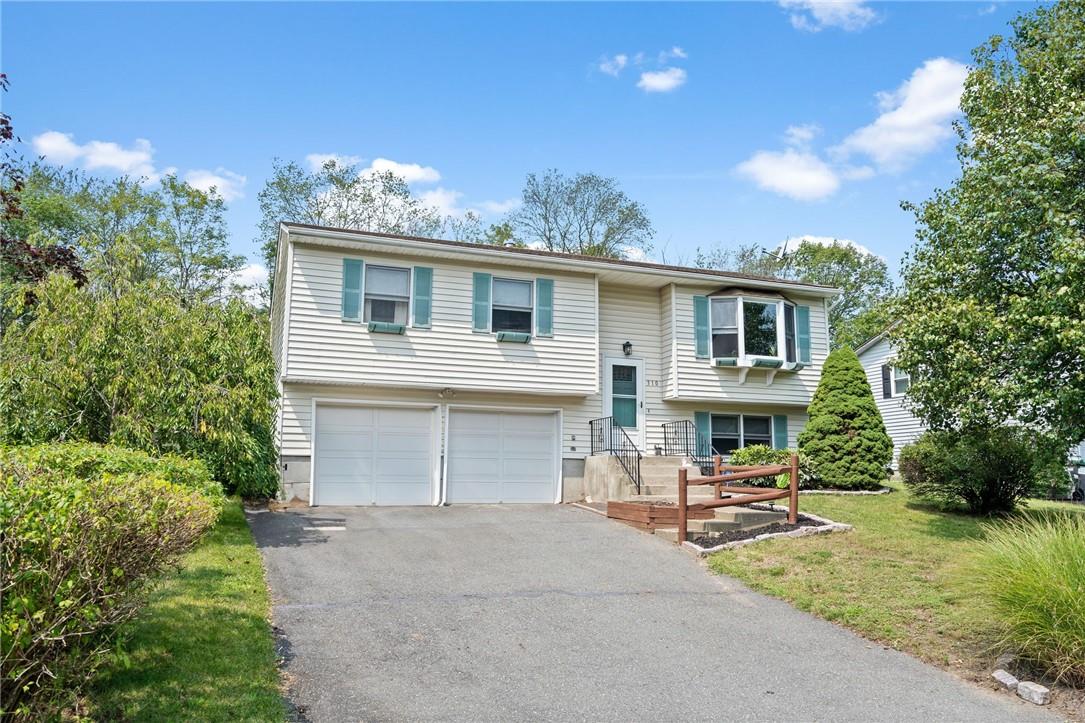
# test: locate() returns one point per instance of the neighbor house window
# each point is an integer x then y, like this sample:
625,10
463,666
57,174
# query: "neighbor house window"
511,306
724,327
387,294
735,431
901,382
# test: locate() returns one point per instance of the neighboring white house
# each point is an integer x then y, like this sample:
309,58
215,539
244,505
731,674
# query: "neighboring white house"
890,387
420,371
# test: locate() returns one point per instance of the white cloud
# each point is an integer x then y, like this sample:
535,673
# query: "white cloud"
800,136
915,117
409,172
249,282
445,200
815,15
675,52
316,161
793,243
61,149
498,208
229,185
988,10
632,253
793,173
662,81
613,66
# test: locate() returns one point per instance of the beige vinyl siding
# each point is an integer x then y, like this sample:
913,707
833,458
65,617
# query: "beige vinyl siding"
698,379
903,426
297,405
666,341
321,346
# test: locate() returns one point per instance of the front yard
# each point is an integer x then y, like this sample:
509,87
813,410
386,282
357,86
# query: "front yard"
898,578
202,648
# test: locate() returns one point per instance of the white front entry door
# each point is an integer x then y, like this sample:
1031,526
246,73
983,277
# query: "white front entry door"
372,455
623,395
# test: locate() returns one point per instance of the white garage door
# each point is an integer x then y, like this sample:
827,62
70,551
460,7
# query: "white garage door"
373,456
502,456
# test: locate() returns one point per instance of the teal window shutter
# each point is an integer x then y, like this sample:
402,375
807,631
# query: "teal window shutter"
544,307
703,422
481,297
352,289
700,326
779,431
802,320
422,293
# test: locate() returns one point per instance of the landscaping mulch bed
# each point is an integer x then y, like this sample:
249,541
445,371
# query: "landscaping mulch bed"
707,541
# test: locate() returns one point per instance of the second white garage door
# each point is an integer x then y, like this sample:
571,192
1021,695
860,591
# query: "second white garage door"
374,455
502,456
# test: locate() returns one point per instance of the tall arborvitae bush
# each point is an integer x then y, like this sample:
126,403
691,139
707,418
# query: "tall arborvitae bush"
845,440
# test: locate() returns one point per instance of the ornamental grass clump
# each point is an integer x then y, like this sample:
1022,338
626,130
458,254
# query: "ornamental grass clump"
1031,573
80,544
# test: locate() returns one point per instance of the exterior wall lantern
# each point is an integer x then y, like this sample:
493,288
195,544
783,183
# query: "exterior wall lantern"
627,348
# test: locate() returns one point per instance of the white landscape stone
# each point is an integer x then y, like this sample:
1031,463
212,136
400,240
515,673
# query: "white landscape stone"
1005,679
1034,692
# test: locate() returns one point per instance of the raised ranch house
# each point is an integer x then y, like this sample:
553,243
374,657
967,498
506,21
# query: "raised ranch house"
420,372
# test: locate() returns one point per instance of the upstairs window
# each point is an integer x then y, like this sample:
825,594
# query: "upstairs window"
511,306
724,327
760,333
387,294
754,327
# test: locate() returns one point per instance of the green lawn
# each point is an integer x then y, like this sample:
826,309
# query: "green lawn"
202,649
897,578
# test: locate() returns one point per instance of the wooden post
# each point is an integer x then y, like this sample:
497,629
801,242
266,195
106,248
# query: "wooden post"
793,498
715,472
681,532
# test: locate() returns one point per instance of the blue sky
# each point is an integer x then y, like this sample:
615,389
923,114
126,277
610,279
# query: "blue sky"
744,122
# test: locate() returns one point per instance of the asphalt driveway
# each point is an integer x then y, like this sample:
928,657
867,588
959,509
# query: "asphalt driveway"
501,612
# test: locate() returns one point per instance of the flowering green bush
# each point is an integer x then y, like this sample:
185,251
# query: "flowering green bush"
82,536
765,455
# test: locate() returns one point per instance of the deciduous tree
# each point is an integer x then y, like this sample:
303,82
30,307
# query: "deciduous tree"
993,316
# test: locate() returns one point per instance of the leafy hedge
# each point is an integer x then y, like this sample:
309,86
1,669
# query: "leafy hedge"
144,370
84,530
986,470
763,454
1032,575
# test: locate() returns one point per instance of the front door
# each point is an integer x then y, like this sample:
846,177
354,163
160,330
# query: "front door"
624,395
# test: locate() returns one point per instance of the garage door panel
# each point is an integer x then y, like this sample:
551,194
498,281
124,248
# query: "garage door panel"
502,457
373,455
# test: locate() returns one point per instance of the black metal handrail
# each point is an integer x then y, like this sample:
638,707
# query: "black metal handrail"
682,439
606,436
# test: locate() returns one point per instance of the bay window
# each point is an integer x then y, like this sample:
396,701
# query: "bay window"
746,326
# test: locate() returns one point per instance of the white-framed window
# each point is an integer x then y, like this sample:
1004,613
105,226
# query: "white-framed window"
387,294
749,326
735,431
512,305
901,381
